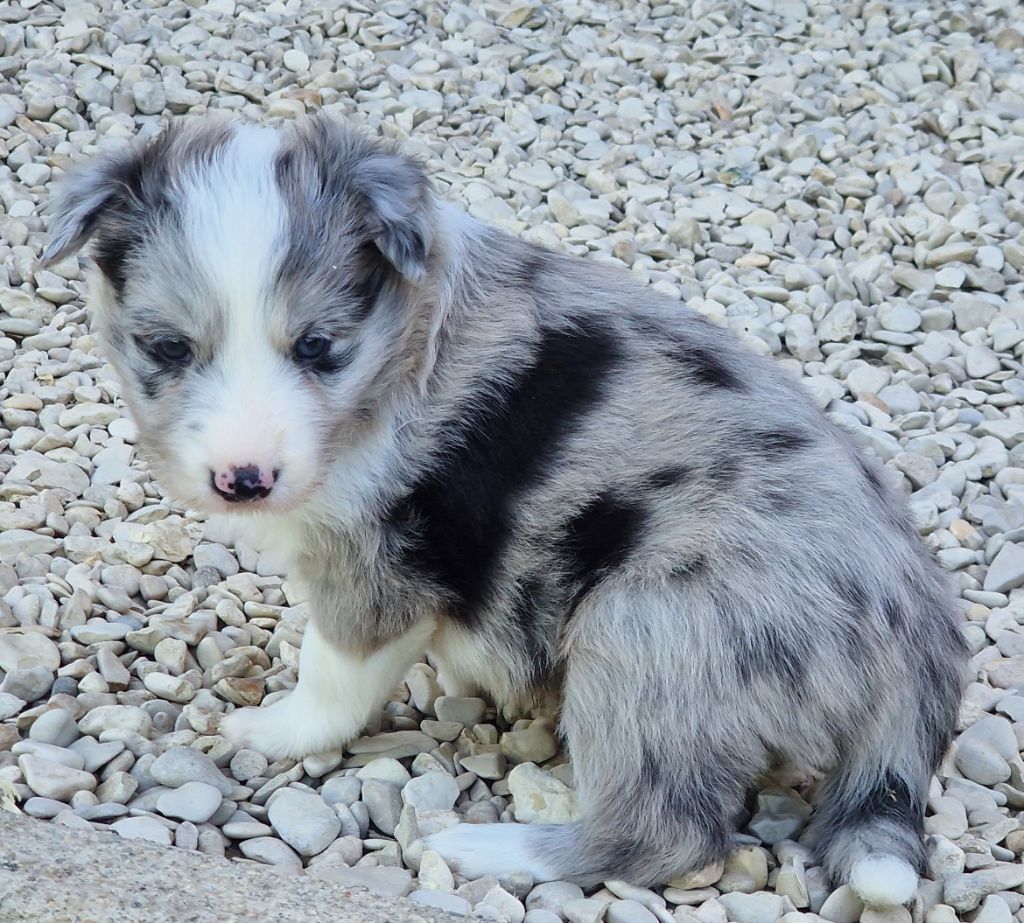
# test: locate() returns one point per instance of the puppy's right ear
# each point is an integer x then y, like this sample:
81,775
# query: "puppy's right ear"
83,197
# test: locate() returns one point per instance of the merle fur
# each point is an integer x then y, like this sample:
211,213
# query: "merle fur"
586,484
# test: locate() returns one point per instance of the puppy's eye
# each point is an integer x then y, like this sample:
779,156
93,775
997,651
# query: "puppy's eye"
310,348
173,350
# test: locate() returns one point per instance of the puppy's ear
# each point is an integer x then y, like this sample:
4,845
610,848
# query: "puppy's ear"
399,209
88,193
332,169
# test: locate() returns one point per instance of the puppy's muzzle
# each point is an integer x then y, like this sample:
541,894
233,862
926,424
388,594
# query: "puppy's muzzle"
243,484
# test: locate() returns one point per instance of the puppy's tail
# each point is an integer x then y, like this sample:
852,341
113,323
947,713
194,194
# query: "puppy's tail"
868,831
638,838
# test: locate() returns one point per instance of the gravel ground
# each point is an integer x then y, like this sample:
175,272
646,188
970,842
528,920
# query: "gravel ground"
840,183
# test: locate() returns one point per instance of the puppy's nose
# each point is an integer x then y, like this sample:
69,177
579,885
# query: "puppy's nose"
239,484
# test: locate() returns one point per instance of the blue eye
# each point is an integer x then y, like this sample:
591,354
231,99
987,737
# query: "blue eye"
310,348
172,351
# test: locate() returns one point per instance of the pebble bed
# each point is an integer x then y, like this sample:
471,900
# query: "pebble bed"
841,183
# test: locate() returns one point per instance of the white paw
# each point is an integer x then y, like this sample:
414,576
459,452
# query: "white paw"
256,729
283,730
476,850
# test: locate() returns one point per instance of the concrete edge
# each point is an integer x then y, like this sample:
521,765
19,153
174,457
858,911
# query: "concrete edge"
53,874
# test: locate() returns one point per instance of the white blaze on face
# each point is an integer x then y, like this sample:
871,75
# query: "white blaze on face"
252,407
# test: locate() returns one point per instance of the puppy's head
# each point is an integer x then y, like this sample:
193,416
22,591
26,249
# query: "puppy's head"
246,284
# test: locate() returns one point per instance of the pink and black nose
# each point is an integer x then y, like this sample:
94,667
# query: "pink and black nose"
243,484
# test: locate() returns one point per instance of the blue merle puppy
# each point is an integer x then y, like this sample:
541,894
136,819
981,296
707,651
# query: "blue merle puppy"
541,474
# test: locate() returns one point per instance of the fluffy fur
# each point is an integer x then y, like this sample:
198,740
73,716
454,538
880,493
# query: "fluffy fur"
540,473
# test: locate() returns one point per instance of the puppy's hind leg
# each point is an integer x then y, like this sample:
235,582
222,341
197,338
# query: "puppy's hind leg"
338,692
659,779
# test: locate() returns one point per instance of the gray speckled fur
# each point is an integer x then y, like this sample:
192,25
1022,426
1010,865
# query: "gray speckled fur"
756,596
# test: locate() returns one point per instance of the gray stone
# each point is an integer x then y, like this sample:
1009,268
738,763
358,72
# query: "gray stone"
183,764
541,798
468,711
29,648
500,906
43,808
304,821
385,770
1006,572
49,752
97,630
486,765
94,754
10,705
342,790
752,908
433,791
983,751
384,802
423,687
56,726
534,744
965,892
248,764
54,780
553,895
17,542
193,801
27,683
584,910
271,851
632,912
243,827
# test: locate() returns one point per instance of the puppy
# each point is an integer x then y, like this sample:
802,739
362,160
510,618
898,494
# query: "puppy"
540,473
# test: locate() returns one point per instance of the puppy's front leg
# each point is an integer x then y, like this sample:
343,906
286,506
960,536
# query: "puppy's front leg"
338,692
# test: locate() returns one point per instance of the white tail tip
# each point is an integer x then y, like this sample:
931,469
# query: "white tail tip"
884,881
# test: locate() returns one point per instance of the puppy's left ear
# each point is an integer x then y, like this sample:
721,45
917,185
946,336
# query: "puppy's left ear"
400,209
82,198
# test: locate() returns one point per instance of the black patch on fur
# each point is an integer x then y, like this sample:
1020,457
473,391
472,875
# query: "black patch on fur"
598,539
852,624
535,597
682,798
697,566
333,180
781,502
454,523
138,199
534,263
942,655
705,366
698,806
889,799
778,444
851,591
893,614
696,361
849,807
764,653
724,472
373,273
110,253
669,476
327,241
156,379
